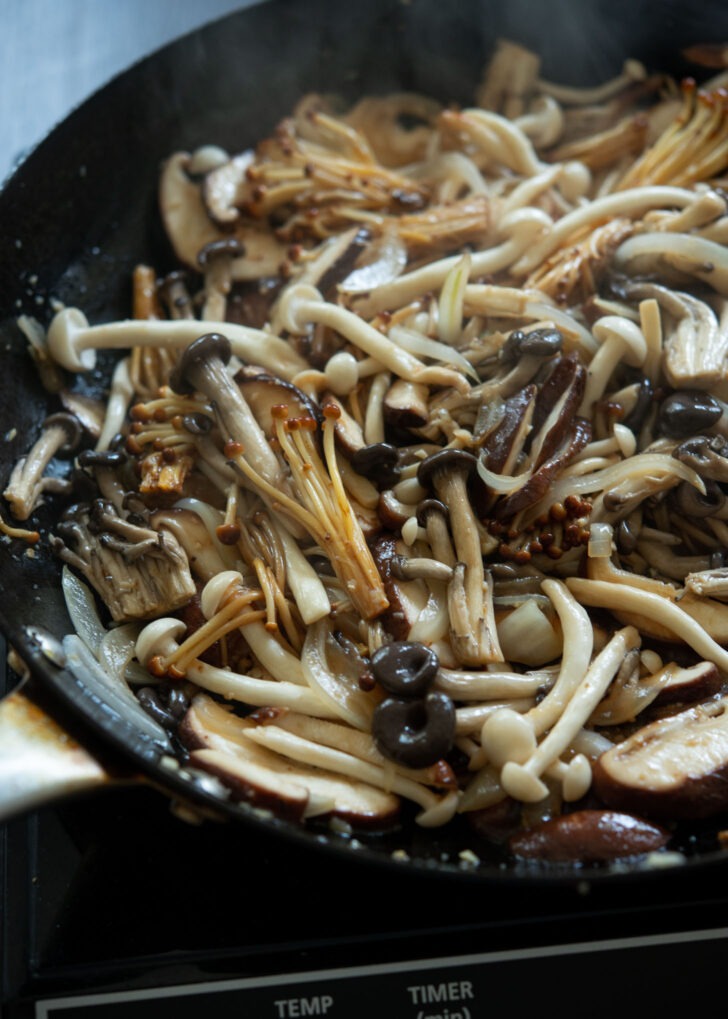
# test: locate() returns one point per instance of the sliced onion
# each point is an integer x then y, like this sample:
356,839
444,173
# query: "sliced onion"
390,259
81,606
452,299
528,637
609,478
117,649
340,690
416,343
503,484
108,691
212,518
306,587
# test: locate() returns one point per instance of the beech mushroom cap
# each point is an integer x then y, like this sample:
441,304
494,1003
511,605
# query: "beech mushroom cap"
415,733
706,455
428,506
687,412
70,425
693,503
445,460
541,343
211,346
379,462
229,247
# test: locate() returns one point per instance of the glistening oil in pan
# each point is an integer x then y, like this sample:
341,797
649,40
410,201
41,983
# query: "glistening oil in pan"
113,907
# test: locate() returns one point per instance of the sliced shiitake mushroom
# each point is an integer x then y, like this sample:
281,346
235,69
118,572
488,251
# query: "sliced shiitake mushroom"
688,685
589,836
263,392
674,768
259,776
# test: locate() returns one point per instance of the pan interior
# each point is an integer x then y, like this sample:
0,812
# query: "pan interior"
80,213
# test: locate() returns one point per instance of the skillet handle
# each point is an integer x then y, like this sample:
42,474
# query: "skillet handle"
39,761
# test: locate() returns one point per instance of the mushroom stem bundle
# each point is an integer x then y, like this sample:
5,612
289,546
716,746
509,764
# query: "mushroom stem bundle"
324,511
303,305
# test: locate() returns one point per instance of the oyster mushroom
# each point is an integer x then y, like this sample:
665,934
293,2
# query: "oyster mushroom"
509,79
221,186
696,348
138,573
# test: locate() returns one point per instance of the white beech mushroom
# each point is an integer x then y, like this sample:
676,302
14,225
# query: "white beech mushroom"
620,341
676,257
633,203
73,343
158,642
302,305
522,780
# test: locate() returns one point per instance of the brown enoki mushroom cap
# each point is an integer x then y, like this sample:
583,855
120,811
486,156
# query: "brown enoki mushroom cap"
445,460
210,347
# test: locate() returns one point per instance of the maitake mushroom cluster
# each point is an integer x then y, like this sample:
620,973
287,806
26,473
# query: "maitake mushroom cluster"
414,479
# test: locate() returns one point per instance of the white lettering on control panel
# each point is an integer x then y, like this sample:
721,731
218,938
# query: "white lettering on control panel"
297,1008
431,994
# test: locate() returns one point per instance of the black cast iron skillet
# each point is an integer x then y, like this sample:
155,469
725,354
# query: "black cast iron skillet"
80,212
